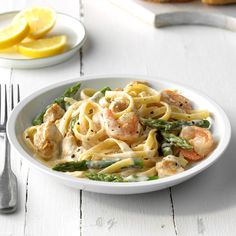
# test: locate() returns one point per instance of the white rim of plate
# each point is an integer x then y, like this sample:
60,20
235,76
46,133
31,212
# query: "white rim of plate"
163,181
75,47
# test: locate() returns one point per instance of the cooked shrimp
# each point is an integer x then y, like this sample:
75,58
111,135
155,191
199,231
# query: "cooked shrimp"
126,128
169,165
97,120
119,104
202,142
176,99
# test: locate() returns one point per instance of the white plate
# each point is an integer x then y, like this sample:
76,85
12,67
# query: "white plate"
23,114
65,24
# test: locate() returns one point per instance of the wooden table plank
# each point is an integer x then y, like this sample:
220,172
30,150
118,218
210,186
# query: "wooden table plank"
144,214
117,45
45,206
205,205
200,57
52,209
13,224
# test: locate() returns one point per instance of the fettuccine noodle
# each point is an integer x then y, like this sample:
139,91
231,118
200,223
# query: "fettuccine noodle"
132,134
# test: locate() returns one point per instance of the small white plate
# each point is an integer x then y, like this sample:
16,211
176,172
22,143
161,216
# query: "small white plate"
21,118
65,24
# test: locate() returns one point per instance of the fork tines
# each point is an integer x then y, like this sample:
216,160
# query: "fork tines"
11,98
14,99
3,104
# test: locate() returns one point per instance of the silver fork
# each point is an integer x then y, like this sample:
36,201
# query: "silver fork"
8,181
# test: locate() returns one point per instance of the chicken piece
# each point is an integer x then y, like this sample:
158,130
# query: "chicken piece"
47,140
53,113
168,166
70,148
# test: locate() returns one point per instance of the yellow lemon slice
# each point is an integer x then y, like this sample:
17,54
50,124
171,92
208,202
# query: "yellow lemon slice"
40,19
13,33
43,47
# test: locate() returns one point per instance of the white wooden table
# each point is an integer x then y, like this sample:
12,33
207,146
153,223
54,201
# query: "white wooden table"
199,57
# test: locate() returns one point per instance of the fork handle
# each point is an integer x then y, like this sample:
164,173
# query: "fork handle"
8,184
7,161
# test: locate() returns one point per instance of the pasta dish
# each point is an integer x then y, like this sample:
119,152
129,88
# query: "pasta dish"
135,133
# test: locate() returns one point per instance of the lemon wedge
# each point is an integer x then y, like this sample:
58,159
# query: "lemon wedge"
43,47
13,33
40,19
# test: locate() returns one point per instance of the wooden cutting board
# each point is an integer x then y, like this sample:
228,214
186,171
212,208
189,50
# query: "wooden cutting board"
194,13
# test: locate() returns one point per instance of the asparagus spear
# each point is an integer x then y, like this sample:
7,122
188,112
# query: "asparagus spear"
38,120
115,178
72,122
105,177
163,125
166,149
153,177
100,164
138,162
70,92
71,166
101,93
176,141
